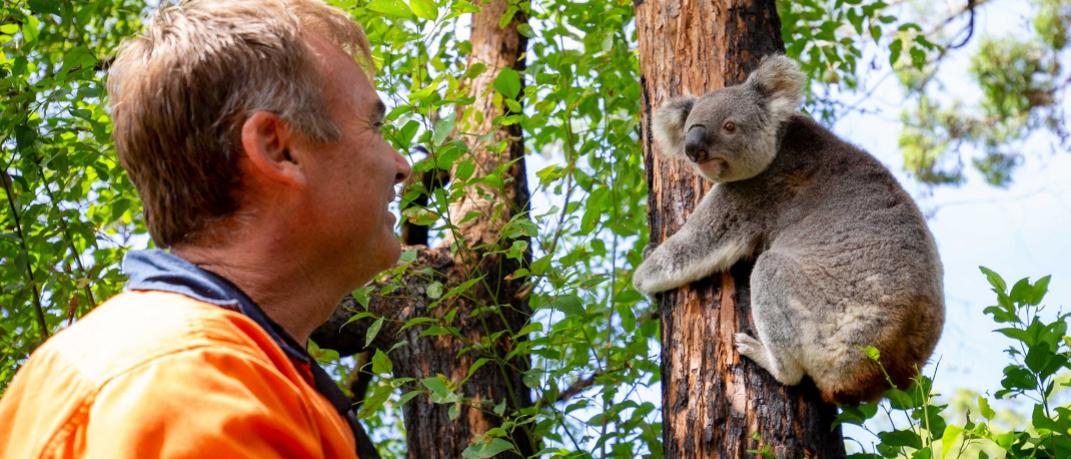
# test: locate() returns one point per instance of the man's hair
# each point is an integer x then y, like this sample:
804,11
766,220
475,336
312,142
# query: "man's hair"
181,91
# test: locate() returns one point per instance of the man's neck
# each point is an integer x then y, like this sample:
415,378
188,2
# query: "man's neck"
296,294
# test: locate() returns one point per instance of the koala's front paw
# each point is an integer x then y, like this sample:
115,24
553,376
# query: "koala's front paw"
641,279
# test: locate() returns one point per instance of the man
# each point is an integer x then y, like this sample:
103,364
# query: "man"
252,135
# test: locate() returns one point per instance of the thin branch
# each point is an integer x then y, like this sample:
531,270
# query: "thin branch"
969,28
39,310
88,290
578,386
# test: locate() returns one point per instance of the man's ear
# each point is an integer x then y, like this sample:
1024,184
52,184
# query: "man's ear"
267,140
668,125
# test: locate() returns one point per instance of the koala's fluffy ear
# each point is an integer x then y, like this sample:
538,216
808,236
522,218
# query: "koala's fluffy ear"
780,81
668,125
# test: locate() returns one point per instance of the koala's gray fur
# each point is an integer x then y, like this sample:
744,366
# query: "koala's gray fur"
844,258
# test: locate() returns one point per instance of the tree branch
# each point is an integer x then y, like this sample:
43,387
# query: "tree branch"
39,310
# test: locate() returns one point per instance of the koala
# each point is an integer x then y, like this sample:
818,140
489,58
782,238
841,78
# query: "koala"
842,256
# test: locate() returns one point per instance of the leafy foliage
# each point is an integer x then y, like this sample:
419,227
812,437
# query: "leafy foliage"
1023,82
68,212
825,36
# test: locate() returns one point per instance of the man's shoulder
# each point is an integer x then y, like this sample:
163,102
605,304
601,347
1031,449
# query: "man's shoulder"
135,327
155,371
151,345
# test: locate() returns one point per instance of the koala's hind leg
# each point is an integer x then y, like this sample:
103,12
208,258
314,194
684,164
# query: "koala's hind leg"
777,285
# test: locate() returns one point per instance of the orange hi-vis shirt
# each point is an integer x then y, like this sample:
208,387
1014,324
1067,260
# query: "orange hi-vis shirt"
153,374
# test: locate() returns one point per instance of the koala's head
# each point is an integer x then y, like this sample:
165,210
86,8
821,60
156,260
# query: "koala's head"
731,134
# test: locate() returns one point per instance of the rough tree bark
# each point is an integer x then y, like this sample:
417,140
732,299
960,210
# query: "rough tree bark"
713,400
431,433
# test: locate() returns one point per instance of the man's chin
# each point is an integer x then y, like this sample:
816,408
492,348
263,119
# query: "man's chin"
392,249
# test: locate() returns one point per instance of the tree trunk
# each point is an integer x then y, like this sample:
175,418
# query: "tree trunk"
494,304
715,403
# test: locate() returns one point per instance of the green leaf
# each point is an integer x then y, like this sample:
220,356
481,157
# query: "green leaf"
1041,287
1022,291
1038,357
405,135
464,169
373,403
362,295
949,438
918,57
984,409
357,316
994,279
894,51
373,330
440,393
462,287
475,70
45,6
79,57
476,366
500,407
571,305
381,364
1017,378
485,450
31,29
408,396
395,8
1041,421
417,321
442,130
454,411
9,29
435,290
900,438
872,353
425,9
508,82
856,415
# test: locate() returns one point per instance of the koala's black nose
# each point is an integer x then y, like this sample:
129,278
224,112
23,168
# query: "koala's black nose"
695,143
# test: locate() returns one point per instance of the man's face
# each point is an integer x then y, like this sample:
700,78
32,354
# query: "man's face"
351,182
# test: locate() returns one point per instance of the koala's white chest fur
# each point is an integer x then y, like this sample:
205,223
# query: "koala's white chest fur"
847,261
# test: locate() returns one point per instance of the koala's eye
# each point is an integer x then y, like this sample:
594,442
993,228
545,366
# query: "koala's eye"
729,126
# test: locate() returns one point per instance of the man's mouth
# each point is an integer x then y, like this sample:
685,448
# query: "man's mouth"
393,218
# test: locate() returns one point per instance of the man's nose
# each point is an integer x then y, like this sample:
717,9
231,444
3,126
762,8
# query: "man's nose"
403,167
695,143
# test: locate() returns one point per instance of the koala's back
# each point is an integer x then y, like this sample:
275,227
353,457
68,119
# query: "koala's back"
864,245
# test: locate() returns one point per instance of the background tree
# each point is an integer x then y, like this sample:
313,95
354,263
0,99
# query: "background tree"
458,318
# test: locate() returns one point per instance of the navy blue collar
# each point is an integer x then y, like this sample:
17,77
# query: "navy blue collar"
161,271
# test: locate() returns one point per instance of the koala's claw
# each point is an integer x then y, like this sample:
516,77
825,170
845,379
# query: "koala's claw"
647,250
748,346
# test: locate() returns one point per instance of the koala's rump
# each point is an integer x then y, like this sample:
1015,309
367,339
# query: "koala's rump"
875,280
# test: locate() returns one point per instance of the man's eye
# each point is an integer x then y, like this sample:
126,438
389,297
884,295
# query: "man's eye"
378,125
